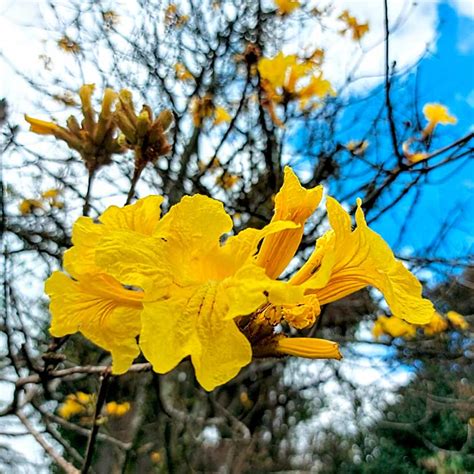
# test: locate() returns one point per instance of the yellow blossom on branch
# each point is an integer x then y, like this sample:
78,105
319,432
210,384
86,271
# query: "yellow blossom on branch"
182,73
27,206
457,320
68,45
286,77
285,7
357,29
78,403
394,327
221,115
117,409
436,114
172,282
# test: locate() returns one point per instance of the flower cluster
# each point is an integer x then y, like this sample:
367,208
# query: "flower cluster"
48,199
396,327
285,78
97,139
170,283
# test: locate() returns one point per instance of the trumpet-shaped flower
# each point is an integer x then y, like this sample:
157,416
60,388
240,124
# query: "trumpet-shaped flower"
438,114
216,302
195,287
95,303
347,260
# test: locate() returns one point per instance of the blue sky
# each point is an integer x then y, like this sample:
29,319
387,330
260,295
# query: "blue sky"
445,75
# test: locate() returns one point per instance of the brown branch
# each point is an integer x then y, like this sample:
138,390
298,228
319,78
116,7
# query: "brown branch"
58,459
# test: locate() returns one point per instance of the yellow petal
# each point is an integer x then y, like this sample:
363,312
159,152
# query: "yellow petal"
251,288
101,309
275,70
221,115
141,217
457,320
437,113
239,248
191,323
309,348
285,7
41,126
436,325
292,203
351,260
394,327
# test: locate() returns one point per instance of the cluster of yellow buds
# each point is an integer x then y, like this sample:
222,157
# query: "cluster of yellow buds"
93,138
48,198
96,139
142,133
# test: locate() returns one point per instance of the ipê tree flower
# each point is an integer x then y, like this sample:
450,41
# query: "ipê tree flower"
285,78
92,301
218,303
285,7
435,114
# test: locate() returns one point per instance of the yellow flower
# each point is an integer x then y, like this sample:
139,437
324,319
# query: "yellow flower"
195,287
117,409
227,180
51,193
317,87
346,260
155,457
457,320
275,70
357,29
285,7
292,203
27,206
182,72
357,147
221,115
76,404
394,327
281,81
215,302
95,303
41,126
68,45
436,325
436,114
